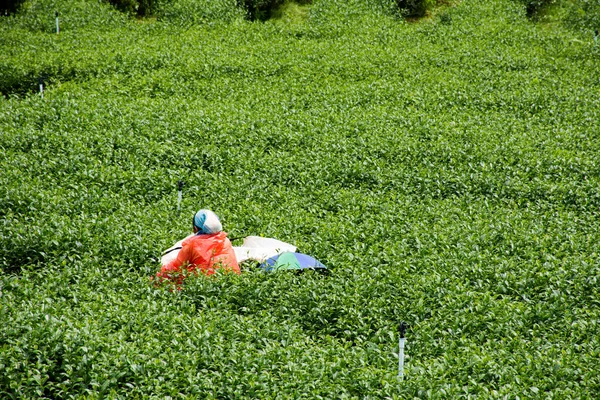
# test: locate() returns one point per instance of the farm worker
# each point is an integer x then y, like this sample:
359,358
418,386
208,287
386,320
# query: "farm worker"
206,251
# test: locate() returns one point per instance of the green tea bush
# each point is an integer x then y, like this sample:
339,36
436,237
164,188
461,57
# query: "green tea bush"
333,18
446,173
128,6
415,8
191,12
260,9
584,15
533,7
348,10
39,16
10,6
265,9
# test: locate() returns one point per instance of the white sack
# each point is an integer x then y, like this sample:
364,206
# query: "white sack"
260,248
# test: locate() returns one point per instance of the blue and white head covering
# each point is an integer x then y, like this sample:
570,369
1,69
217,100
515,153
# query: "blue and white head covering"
207,222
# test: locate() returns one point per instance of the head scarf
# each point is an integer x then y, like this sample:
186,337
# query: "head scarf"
207,222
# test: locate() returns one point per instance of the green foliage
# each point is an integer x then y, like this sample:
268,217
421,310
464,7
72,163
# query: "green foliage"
332,18
415,8
10,6
259,9
129,6
446,171
533,7
584,14
265,9
40,16
141,8
292,13
195,12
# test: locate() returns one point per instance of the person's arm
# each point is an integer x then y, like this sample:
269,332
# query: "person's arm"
174,266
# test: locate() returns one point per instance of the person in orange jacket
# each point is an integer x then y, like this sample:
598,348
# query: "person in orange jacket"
206,251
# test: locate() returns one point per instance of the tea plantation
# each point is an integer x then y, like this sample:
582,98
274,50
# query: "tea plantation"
445,169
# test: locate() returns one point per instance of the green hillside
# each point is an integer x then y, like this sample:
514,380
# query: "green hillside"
446,170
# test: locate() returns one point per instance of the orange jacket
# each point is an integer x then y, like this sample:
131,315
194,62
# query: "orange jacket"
203,253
